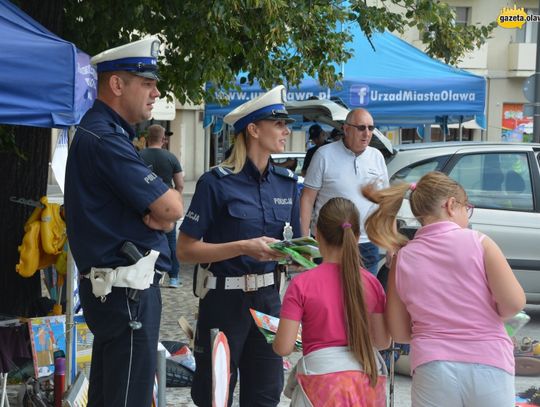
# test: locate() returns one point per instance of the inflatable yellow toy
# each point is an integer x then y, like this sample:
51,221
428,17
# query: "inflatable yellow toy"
53,228
29,250
43,241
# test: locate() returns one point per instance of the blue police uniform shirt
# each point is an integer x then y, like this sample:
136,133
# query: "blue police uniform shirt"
228,207
108,189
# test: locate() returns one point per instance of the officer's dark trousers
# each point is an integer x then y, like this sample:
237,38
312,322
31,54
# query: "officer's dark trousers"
123,360
260,369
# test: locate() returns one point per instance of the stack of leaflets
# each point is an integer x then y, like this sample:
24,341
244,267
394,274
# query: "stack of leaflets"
268,325
297,249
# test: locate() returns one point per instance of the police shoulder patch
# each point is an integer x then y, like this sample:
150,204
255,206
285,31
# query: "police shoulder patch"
221,172
119,129
284,172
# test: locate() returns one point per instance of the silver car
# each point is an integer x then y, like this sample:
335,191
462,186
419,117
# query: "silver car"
502,180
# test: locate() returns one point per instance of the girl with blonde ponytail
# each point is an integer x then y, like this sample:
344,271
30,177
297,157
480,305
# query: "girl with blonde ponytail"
449,291
340,306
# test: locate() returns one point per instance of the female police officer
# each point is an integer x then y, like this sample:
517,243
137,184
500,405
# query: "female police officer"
237,209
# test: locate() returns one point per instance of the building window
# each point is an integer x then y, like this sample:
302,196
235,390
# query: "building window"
463,15
529,30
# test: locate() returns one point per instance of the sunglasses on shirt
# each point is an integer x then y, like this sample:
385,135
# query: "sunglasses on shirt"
361,127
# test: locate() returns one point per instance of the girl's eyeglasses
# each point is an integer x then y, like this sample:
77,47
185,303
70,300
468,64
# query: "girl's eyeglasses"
468,205
470,209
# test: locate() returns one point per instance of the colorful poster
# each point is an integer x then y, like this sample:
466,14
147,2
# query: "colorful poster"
516,127
83,345
268,326
47,335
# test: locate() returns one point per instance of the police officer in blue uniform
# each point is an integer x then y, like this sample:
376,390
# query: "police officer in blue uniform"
237,209
112,197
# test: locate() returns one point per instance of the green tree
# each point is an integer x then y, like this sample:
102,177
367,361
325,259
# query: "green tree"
207,41
273,40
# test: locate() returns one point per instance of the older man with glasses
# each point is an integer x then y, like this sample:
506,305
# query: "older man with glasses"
341,169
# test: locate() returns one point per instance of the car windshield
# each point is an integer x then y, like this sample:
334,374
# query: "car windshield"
293,162
413,172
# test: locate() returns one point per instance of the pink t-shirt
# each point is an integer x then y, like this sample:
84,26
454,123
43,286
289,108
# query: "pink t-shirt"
441,279
315,298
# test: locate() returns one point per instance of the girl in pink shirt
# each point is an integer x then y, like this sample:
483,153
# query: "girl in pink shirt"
449,290
340,306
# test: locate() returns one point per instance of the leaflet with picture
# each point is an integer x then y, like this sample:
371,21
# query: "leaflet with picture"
268,326
297,249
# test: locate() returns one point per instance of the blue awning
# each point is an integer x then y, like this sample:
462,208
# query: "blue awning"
45,81
399,84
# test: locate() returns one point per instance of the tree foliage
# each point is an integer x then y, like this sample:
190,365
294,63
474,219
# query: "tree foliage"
435,20
270,40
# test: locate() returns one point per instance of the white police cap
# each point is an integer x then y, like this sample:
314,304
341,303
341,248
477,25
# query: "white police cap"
138,57
269,106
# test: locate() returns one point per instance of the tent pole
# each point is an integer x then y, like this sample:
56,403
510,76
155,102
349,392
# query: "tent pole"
71,274
70,337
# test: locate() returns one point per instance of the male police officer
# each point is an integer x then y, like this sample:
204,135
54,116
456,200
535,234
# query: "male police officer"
112,198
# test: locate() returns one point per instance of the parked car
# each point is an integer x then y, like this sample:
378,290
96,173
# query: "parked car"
291,160
294,162
502,180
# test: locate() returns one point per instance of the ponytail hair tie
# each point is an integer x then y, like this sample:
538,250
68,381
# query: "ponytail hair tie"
412,186
346,225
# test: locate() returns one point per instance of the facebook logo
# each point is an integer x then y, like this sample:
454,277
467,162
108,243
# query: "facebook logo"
359,95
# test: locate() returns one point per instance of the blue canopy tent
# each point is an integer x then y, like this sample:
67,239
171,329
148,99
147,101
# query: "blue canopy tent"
45,81
399,84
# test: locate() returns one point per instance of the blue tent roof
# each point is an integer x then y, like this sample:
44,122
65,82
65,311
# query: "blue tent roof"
399,84
45,81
